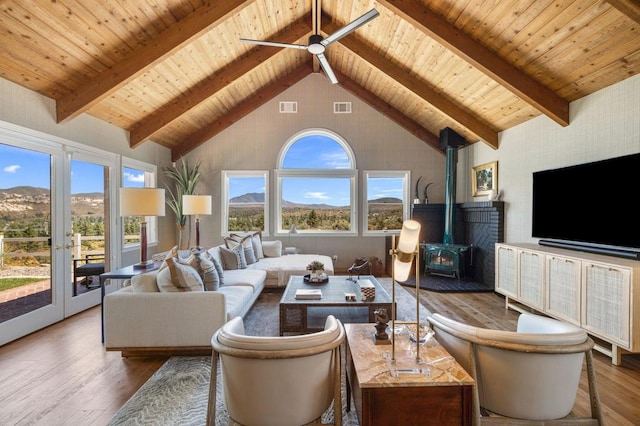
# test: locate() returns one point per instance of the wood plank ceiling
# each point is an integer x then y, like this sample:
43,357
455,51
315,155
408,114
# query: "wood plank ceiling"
175,72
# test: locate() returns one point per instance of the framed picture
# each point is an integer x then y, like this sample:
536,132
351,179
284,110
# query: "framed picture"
484,179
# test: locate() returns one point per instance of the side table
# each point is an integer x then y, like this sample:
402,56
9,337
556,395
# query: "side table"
120,274
443,396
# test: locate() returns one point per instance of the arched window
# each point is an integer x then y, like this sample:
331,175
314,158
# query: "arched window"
317,185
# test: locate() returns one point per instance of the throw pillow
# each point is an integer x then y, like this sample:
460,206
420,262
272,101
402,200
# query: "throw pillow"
256,240
213,254
206,269
233,258
181,277
145,283
272,248
233,240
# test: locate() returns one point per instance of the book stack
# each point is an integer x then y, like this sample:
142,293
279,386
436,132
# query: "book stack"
308,294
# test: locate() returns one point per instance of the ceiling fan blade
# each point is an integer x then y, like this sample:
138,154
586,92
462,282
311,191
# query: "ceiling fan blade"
274,43
327,68
350,27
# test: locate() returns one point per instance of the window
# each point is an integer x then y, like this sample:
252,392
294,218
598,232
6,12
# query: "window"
245,201
317,185
388,201
136,174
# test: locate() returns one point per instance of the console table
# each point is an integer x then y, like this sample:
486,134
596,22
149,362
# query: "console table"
441,397
596,292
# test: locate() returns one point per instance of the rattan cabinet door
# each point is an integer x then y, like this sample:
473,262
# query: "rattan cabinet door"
532,278
506,271
563,288
606,302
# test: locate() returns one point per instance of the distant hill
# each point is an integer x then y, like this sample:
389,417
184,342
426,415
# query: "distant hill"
22,202
258,197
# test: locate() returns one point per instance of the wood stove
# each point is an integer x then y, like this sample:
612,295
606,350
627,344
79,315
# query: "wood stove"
448,258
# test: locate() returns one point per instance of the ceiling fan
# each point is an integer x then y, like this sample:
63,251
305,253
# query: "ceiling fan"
318,44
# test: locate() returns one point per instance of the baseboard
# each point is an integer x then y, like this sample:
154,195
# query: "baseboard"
163,352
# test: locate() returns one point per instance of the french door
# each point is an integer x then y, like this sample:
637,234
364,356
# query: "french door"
54,209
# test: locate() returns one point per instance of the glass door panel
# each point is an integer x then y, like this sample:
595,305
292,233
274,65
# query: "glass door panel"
89,225
28,300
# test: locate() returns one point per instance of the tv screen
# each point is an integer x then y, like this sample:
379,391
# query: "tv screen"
590,204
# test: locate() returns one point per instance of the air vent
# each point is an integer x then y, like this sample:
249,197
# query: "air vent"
288,107
342,107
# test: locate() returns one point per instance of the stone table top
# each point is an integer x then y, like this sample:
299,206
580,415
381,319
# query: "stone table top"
374,367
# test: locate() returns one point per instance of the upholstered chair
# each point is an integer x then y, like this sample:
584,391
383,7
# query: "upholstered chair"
279,381
531,374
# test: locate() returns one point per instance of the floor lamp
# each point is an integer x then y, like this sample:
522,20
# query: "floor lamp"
142,202
196,205
402,256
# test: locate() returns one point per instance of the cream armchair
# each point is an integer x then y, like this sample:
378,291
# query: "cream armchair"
288,380
530,374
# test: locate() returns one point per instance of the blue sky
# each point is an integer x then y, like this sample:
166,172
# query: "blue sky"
23,167
319,152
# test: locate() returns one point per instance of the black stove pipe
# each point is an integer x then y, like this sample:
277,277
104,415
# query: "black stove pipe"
450,141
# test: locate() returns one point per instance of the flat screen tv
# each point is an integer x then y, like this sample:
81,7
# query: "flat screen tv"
589,207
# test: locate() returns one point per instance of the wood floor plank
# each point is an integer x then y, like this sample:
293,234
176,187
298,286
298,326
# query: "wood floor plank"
63,376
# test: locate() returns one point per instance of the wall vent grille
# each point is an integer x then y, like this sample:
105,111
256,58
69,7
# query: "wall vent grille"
289,107
342,107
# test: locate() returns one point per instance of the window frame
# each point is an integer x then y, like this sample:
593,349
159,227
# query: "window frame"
350,173
224,213
406,198
150,181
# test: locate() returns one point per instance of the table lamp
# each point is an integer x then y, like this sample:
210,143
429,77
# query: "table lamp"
196,205
142,202
402,256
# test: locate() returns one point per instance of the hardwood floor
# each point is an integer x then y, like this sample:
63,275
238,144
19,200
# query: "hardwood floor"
62,375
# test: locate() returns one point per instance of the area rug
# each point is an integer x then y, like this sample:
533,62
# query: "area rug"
449,284
177,393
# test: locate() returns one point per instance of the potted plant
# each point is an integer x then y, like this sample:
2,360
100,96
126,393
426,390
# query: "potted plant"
316,269
184,178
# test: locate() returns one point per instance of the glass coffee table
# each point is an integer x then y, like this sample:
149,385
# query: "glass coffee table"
309,315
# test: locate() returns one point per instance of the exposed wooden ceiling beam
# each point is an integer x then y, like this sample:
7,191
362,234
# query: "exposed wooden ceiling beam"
390,112
171,40
248,106
144,129
525,87
437,100
631,8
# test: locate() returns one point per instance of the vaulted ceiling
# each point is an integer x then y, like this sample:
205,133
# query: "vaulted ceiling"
175,71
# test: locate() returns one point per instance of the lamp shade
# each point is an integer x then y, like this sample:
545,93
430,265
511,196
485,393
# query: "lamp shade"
142,202
196,204
293,229
405,251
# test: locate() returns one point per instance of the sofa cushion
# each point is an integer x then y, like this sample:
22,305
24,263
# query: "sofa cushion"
253,278
178,277
272,248
233,258
145,283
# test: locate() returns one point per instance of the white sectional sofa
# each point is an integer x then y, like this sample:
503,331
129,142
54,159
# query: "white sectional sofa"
142,319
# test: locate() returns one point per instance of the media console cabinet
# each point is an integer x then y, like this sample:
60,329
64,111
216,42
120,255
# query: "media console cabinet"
599,293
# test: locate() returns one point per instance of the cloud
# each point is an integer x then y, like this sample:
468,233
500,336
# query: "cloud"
134,177
11,169
316,195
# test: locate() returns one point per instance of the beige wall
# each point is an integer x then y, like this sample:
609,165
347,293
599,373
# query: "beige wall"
254,143
603,125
